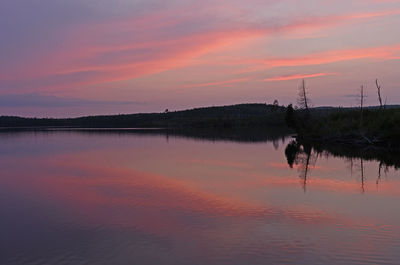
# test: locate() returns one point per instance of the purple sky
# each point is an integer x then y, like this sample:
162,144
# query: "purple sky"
67,58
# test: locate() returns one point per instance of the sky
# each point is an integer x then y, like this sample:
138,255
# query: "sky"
83,57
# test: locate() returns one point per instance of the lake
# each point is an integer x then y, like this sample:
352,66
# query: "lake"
127,197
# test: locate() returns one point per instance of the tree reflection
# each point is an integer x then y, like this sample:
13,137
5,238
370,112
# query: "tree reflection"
385,169
291,151
303,157
362,175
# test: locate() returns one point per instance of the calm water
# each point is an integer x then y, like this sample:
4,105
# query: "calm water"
128,198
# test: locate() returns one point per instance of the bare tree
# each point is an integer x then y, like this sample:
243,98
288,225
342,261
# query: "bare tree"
362,99
303,100
379,94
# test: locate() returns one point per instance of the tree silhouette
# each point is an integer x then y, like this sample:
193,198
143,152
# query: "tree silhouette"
362,99
289,117
303,98
378,87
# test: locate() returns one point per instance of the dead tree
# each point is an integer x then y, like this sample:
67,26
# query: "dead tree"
379,94
362,99
302,99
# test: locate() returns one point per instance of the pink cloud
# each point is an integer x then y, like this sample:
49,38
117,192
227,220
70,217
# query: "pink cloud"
137,47
218,83
296,76
326,57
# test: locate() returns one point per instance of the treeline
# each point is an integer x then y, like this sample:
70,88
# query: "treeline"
242,115
376,127
373,127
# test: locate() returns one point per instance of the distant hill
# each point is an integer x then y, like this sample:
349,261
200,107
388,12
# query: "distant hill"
242,115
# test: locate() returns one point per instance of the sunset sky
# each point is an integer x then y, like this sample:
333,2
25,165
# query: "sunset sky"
68,58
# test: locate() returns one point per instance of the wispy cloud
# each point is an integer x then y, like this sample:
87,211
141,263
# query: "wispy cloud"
217,83
160,41
331,56
296,76
73,48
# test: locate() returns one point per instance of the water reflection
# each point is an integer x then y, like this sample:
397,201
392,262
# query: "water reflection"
304,156
273,134
122,197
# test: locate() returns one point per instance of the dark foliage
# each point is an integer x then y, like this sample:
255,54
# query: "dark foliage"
243,115
379,128
289,117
